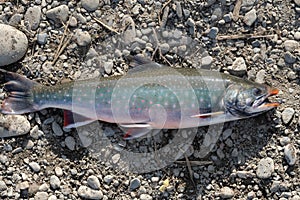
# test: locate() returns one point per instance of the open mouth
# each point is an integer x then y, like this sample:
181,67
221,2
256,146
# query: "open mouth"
264,103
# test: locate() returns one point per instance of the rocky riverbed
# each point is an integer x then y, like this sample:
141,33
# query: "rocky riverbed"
53,41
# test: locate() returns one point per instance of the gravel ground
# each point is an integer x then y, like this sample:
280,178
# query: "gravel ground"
60,41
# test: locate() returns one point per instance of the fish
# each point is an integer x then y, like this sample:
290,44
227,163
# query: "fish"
151,96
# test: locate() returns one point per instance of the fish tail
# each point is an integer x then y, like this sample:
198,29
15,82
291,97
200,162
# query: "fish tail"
20,96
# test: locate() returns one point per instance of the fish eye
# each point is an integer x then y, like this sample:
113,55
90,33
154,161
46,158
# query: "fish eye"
257,92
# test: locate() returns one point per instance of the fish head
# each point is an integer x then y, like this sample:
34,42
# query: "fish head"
248,98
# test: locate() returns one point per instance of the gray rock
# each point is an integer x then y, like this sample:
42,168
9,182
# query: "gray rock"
41,196
291,45
15,20
297,34
13,44
83,38
93,182
238,66
90,5
297,2
44,187
73,22
52,197
108,66
29,144
70,143
260,76
3,186
135,183
250,17
34,166
206,61
227,17
15,125
226,193
108,179
42,38
54,182
108,131
290,154
284,141
178,9
145,197
58,14
88,193
57,129
287,115
265,168
213,32
289,58
58,171
33,17
164,48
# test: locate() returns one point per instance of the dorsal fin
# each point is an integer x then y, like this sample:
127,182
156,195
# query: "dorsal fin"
140,63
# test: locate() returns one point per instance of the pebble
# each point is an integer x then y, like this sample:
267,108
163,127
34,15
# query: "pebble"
297,2
54,182
108,66
93,182
178,9
70,143
297,34
83,38
90,5
108,179
213,32
165,47
284,141
250,17
15,20
287,115
41,196
58,171
145,197
291,45
238,66
42,38
289,58
73,22
33,17
57,129
15,125
226,193
34,166
13,46
135,183
206,61
290,154
3,186
58,14
260,76
88,193
265,168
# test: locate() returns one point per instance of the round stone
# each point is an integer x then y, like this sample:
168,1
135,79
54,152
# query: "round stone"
290,154
250,17
33,17
35,166
287,115
58,14
93,182
135,183
54,182
265,168
88,193
90,5
226,193
13,44
15,125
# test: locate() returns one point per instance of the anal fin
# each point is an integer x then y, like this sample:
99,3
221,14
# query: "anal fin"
73,120
133,131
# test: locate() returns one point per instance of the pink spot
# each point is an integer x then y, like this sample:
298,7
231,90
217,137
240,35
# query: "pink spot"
150,102
139,109
193,105
143,101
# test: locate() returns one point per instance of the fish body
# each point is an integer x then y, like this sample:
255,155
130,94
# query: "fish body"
155,97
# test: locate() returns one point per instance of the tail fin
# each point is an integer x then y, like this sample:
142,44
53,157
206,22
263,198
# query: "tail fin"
20,97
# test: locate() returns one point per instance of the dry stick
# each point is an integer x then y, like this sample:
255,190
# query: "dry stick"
106,26
194,162
159,50
236,10
251,36
162,9
189,168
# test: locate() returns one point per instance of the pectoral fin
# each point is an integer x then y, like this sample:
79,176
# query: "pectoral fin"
133,131
207,115
73,120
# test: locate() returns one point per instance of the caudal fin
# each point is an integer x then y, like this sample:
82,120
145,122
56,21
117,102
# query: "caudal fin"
20,97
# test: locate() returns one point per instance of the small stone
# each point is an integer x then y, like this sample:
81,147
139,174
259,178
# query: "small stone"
287,115
58,14
24,185
13,125
73,22
88,193
90,5
33,17
260,76
108,179
265,168
13,44
290,154
83,38
3,186
54,182
44,187
58,171
115,158
213,32
41,196
164,48
238,66
289,58
57,129
284,141
35,166
297,2
145,197
52,197
291,45
108,66
135,183
178,9
291,75
93,182
70,143
29,144
226,193
297,34
250,17
15,20
206,61
42,38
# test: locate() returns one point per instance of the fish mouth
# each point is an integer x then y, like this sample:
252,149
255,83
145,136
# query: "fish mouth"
265,104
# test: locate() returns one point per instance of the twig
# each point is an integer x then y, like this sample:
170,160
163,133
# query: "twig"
236,10
106,26
244,36
157,48
194,162
190,169
162,9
